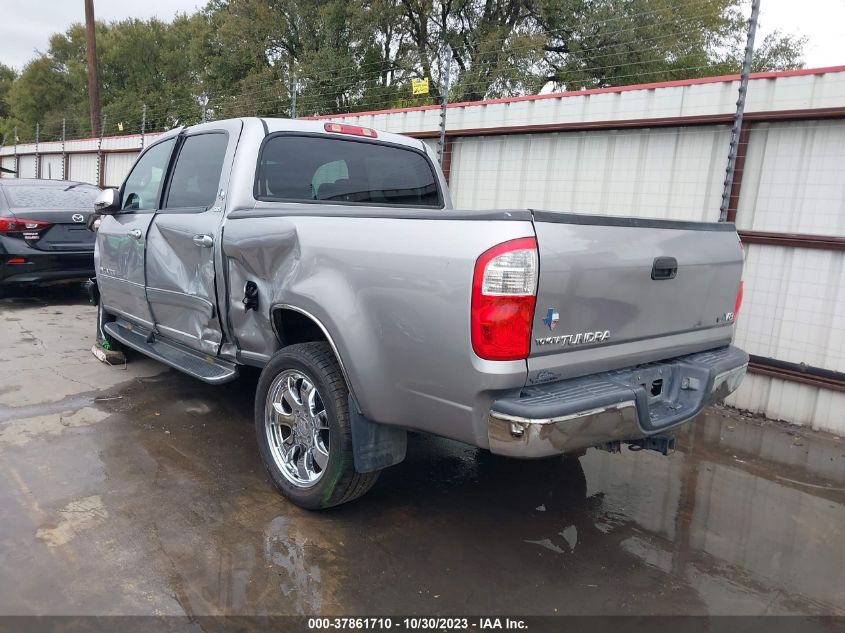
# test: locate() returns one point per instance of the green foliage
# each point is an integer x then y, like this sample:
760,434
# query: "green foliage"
244,57
40,95
7,77
778,52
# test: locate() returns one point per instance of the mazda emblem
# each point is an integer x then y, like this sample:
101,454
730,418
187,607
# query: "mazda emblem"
77,217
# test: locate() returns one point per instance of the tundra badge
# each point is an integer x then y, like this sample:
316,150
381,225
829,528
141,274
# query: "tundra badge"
575,339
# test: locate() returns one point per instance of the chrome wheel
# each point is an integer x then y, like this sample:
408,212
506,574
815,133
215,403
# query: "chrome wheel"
297,428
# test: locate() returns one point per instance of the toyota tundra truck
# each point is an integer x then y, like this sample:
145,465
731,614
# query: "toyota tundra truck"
330,257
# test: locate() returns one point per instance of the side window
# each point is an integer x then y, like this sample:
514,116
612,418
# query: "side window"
143,185
197,172
326,176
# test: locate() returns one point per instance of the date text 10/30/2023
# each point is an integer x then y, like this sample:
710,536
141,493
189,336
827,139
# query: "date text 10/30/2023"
416,624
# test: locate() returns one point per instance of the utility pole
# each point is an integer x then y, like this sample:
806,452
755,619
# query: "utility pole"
446,71
91,53
740,110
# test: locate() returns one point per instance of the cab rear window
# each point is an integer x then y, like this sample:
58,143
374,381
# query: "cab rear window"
52,196
309,168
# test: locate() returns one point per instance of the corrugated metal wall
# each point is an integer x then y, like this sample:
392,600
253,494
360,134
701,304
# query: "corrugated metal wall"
83,167
51,167
670,173
117,168
791,401
7,162
794,308
794,178
631,157
26,166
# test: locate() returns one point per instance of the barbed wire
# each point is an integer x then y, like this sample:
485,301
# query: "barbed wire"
717,132
496,135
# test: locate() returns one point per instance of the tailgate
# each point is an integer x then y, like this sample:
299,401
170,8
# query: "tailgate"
616,292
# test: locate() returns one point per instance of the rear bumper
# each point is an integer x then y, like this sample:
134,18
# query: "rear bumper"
46,267
627,404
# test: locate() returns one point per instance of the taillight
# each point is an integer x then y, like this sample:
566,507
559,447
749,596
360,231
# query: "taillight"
354,130
738,302
504,289
29,228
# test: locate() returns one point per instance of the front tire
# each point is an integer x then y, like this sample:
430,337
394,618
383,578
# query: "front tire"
303,428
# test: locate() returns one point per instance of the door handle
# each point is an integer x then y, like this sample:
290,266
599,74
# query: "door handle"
206,241
136,233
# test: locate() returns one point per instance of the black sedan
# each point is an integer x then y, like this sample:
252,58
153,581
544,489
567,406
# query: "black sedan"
43,237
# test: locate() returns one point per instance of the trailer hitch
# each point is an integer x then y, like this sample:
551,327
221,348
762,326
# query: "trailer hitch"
663,444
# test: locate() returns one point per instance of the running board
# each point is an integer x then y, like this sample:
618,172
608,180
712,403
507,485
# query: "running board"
202,366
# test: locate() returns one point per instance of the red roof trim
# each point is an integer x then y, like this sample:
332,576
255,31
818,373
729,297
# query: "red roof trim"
106,138
593,91
97,138
82,140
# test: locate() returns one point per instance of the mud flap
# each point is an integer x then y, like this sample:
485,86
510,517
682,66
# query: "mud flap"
375,446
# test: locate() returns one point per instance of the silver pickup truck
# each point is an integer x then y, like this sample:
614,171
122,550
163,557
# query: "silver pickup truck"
330,256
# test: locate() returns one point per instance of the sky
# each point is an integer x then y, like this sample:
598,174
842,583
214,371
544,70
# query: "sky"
26,25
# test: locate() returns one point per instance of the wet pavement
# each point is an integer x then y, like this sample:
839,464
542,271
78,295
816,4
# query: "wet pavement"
137,490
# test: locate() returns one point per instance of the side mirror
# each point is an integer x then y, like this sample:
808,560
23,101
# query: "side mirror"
107,202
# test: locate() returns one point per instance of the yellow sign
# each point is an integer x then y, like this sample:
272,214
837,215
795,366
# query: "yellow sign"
419,86
120,127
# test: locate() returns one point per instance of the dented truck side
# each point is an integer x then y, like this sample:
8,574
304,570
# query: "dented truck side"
330,256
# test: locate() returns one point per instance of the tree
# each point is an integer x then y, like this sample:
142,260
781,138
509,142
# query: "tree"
779,52
339,53
40,96
145,62
7,123
7,77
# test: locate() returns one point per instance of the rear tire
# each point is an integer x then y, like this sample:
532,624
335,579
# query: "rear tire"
303,429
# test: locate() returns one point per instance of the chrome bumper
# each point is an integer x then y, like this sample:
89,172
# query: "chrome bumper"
572,415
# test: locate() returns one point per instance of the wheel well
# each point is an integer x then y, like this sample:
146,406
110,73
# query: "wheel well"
294,327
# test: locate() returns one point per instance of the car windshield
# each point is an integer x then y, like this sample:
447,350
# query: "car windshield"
51,196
